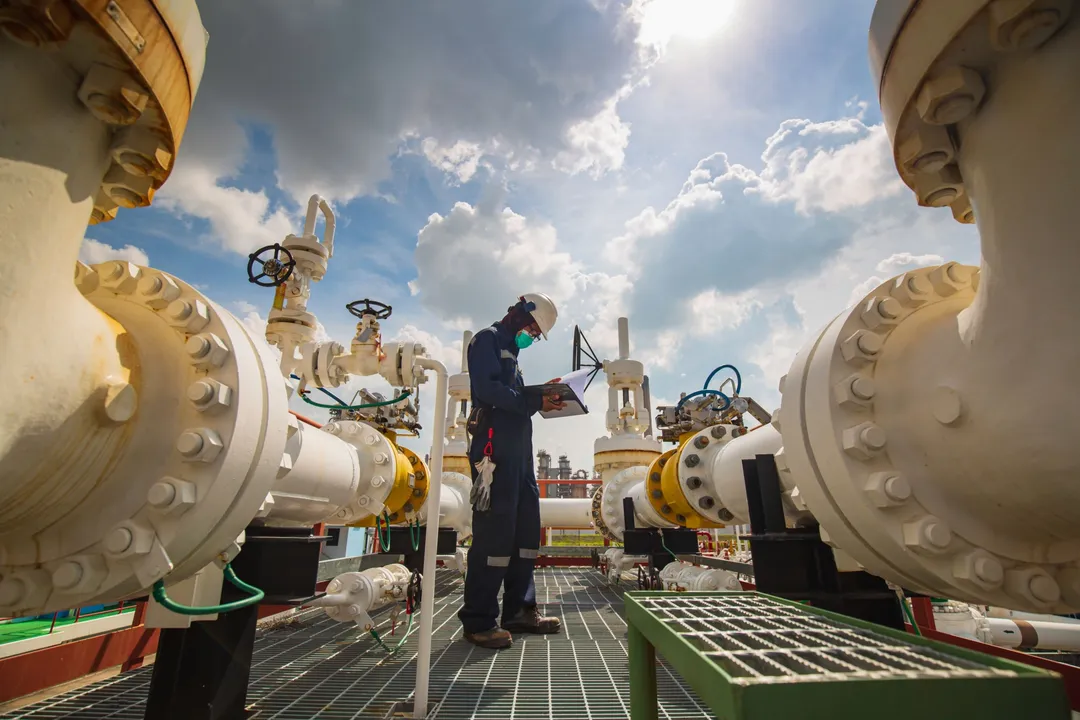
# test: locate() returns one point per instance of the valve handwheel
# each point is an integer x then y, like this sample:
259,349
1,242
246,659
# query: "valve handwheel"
360,308
276,267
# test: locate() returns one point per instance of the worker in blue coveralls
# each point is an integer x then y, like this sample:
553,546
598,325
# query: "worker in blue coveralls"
506,536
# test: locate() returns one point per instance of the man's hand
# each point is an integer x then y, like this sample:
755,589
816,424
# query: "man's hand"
552,402
553,381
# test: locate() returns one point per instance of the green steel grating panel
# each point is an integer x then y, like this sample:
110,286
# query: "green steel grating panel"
756,657
757,639
318,668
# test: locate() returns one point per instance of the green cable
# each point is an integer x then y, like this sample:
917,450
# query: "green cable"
395,648
664,545
384,542
910,615
382,403
256,595
414,538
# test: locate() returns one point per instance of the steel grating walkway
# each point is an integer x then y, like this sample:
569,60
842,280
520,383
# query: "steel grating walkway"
318,668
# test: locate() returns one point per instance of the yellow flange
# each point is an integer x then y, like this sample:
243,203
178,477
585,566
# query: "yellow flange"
409,491
672,502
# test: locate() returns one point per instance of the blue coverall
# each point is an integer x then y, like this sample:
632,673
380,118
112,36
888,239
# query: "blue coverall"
506,537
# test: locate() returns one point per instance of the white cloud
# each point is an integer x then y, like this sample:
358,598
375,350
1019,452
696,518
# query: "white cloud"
830,166
443,73
240,220
597,144
251,318
903,260
449,354
93,252
460,161
746,266
474,262
862,289
891,266
712,312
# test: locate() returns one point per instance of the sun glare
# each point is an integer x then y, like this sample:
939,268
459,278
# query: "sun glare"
664,20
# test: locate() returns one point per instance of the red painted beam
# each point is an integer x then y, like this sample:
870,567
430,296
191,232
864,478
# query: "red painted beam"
136,661
923,610
34,671
1069,673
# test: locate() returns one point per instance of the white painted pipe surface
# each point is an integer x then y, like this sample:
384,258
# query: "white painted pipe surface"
316,203
566,513
624,338
1035,635
455,511
645,514
908,420
727,470
431,541
324,477
465,340
57,351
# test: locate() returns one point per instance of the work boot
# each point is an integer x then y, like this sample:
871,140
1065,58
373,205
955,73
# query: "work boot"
493,639
531,621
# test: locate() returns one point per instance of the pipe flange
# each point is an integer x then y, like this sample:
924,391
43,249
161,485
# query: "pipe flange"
932,61
612,496
839,422
187,471
310,254
141,63
598,516
675,471
692,474
654,484
380,465
413,488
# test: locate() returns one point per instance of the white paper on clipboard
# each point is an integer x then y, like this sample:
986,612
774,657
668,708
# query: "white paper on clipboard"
574,401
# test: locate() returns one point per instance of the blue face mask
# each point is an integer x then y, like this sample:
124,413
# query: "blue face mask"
523,340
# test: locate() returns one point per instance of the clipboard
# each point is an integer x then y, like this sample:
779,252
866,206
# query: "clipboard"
574,405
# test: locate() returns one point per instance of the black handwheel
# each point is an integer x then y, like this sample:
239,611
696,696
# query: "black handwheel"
360,308
275,263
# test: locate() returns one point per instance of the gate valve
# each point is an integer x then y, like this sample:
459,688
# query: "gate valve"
276,267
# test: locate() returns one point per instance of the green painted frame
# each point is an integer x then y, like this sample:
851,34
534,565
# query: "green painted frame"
1033,694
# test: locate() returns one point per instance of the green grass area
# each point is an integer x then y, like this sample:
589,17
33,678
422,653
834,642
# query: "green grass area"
24,630
582,540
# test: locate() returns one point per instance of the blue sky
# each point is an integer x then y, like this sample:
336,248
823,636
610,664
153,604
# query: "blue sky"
715,169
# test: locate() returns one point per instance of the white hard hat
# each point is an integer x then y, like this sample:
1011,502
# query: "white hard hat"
543,312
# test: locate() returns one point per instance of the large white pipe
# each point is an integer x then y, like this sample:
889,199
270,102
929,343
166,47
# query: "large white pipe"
431,542
58,352
324,477
906,423
727,469
566,513
455,510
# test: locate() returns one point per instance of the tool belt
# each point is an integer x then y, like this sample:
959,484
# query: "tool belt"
478,418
